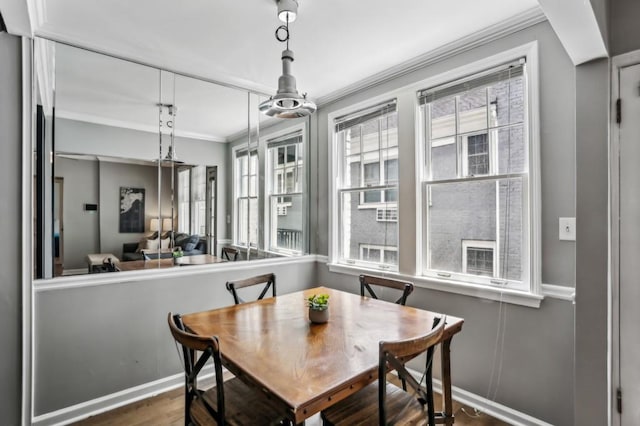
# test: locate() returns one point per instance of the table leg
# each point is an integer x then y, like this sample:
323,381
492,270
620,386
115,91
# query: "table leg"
445,352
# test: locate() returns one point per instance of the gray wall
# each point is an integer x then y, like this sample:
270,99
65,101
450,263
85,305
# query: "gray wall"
116,175
624,26
81,228
80,137
123,339
10,211
591,347
538,348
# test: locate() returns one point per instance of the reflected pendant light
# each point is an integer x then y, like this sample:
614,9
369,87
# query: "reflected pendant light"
287,103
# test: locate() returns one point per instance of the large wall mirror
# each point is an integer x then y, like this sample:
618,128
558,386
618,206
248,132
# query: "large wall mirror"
138,168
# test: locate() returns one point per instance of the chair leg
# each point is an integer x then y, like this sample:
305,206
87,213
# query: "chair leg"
430,408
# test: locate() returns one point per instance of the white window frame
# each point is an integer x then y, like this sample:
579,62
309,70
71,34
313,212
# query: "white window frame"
478,244
382,249
530,263
270,235
335,160
235,186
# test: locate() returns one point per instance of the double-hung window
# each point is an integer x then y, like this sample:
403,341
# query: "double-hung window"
286,200
246,198
476,182
192,185
367,189
184,200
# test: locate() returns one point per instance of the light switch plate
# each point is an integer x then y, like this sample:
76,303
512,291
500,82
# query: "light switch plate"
567,228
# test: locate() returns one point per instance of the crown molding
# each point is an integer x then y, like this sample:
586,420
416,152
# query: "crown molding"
94,119
507,27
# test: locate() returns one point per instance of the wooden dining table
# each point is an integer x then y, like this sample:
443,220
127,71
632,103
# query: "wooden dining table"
304,367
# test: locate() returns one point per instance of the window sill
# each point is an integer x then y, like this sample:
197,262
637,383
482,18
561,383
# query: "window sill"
506,295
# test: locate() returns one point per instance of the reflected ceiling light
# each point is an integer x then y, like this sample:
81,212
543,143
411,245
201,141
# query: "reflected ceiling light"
287,103
287,10
171,157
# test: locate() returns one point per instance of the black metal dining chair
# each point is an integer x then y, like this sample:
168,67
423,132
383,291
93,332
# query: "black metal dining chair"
269,281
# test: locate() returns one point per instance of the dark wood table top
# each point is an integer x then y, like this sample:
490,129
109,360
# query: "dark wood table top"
198,259
308,367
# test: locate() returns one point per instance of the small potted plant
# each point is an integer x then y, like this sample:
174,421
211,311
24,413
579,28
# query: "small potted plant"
318,308
177,254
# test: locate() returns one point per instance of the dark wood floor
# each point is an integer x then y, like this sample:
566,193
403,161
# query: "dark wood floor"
167,409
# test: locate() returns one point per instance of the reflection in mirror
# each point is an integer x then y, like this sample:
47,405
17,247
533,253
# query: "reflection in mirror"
147,163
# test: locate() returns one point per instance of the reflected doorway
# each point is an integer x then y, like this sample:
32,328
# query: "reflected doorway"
58,227
212,209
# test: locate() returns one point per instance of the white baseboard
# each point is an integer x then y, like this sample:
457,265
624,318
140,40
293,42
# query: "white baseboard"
105,403
492,408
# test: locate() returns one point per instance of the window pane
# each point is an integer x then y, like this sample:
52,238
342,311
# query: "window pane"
477,155
472,110
372,196
480,261
512,150
362,227
290,181
242,221
371,255
444,159
511,222
391,257
506,102
287,223
391,195
391,166
253,186
372,174
456,212
371,136
443,118
253,221
352,140
352,172
281,156
254,164
244,186
291,154
199,217
468,211
389,131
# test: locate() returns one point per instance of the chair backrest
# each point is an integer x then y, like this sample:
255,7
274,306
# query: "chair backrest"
393,356
269,281
227,252
367,281
190,343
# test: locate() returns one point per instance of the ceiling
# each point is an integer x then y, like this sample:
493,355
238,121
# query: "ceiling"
336,43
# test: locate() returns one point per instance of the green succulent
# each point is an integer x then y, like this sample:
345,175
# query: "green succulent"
318,302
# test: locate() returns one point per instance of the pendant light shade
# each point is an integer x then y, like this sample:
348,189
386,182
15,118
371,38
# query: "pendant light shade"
287,103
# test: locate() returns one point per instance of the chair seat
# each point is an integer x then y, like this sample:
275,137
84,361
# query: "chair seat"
361,408
237,398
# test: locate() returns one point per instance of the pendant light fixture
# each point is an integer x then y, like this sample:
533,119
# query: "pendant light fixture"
287,103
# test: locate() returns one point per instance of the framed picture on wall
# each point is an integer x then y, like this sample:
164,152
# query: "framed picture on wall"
131,209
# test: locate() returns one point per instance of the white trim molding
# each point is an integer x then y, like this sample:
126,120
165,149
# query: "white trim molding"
28,134
93,280
487,406
613,292
121,398
484,405
499,294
